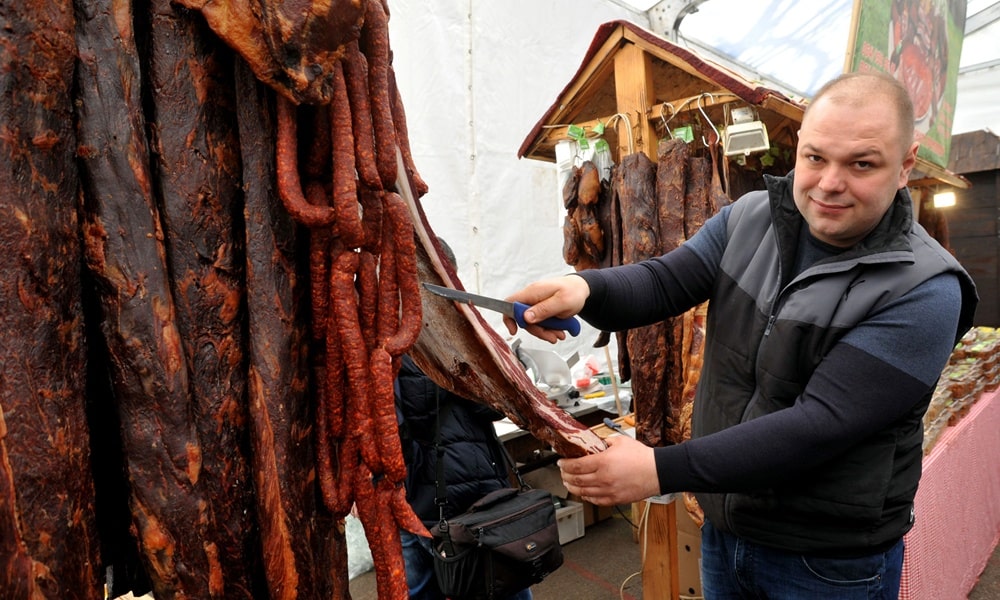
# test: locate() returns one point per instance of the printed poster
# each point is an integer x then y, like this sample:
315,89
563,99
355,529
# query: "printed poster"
920,43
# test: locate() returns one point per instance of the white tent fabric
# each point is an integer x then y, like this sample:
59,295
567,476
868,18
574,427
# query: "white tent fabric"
476,76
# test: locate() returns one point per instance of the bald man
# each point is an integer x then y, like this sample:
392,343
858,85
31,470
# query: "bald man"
832,313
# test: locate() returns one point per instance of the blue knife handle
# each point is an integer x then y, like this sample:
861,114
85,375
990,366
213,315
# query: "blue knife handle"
570,325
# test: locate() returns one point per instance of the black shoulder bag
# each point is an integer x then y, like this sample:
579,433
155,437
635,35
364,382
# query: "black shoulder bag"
506,541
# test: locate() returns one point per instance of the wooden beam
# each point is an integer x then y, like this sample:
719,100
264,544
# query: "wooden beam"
635,94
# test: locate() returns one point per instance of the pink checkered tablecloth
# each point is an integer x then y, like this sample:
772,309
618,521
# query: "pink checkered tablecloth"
957,508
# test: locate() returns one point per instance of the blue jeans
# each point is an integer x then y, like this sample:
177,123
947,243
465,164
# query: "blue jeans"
733,568
419,559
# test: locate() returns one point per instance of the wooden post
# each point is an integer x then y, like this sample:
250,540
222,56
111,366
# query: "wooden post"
658,542
635,94
634,90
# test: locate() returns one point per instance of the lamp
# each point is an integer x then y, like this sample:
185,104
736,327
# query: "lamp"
943,199
744,133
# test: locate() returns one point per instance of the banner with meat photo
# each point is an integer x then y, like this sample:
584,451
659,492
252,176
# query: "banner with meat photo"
920,43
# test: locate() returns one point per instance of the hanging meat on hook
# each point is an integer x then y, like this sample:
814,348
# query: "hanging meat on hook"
584,237
252,245
663,361
49,545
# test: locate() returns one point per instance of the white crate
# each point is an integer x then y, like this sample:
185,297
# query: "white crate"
570,520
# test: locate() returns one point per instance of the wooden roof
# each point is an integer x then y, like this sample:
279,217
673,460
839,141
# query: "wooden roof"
677,76
632,71
975,151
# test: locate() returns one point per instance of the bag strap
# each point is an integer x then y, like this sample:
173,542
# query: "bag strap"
441,495
510,462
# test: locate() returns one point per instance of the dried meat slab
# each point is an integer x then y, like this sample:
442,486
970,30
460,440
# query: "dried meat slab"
48,534
197,184
298,539
459,350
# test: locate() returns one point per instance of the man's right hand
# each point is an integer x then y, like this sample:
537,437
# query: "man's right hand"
561,297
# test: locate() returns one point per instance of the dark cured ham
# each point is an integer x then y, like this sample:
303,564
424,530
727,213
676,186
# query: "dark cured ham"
196,169
290,45
48,535
303,547
126,257
650,367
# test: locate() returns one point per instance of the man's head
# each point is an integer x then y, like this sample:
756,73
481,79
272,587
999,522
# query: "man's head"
855,151
448,252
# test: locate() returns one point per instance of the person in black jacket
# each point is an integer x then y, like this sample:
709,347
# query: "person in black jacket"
472,464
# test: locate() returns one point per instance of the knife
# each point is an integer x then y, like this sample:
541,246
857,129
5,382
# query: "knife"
514,310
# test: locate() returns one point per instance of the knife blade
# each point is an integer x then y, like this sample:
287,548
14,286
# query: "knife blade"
514,310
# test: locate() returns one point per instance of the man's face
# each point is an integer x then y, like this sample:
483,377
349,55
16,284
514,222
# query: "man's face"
848,166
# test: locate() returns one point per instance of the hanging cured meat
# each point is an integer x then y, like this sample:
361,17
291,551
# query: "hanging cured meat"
48,534
584,234
650,209
252,240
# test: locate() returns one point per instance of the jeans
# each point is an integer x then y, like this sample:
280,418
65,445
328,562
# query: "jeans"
419,560
733,568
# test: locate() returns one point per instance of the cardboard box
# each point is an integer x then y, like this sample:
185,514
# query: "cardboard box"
546,478
688,552
570,520
591,512
689,563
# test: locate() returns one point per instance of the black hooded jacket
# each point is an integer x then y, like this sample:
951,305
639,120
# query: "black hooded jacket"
473,460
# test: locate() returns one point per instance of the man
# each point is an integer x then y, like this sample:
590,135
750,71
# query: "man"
832,314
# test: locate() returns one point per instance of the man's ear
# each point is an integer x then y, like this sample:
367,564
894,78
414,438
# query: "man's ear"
909,160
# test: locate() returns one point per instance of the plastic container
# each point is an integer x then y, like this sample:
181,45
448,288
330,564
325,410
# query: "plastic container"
570,521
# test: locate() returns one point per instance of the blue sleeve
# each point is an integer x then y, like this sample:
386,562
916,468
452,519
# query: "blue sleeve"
647,292
870,379
914,333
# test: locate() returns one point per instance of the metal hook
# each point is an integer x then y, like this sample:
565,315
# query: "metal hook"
705,116
673,113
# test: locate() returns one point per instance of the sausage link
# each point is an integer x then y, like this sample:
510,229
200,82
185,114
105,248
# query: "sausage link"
383,536
356,74
375,39
318,157
324,446
403,136
319,266
333,384
345,307
367,286
348,464
386,427
411,308
387,319
345,189
404,515
371,218
289,184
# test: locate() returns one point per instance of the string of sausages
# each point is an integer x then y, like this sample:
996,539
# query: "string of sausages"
337,172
